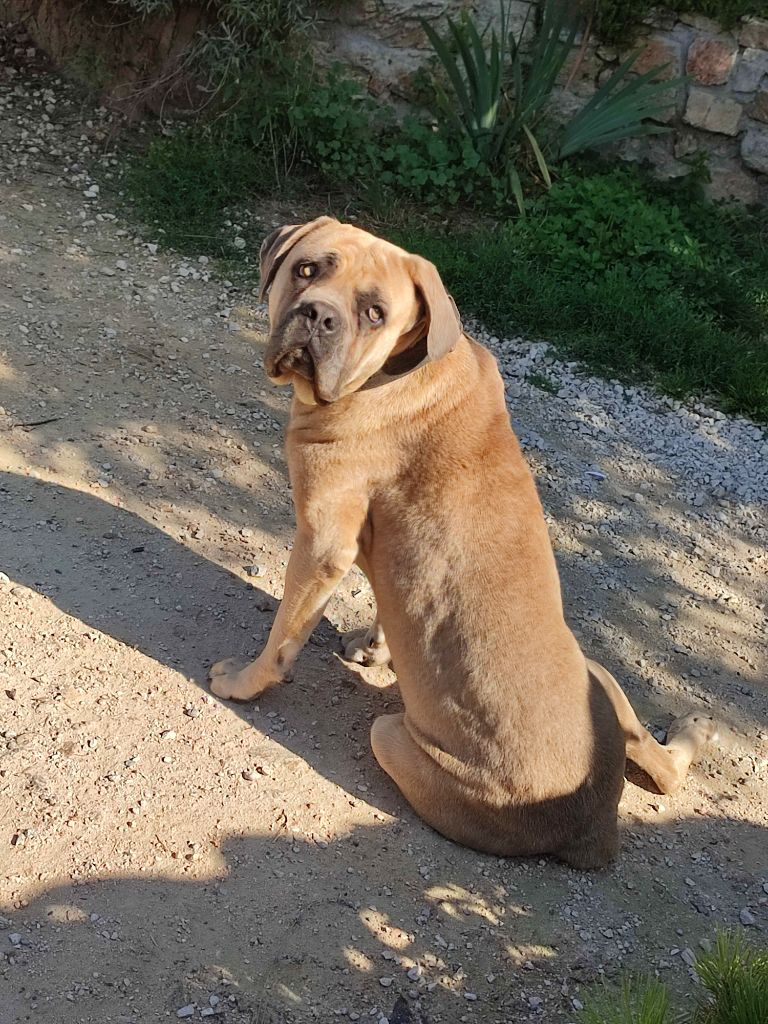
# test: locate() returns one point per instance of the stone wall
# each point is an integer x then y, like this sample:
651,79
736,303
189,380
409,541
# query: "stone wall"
722,111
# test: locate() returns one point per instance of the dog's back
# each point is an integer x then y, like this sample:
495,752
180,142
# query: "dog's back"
495,686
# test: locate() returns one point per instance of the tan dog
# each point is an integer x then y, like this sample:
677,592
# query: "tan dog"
403,460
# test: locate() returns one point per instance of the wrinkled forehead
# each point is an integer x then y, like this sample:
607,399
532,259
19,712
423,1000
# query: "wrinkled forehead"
353,259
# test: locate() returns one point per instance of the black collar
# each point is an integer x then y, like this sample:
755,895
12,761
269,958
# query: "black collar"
401,365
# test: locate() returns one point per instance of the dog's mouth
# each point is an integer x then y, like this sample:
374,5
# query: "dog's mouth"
297,360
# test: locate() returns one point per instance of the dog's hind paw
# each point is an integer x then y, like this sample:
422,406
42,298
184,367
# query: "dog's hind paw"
362,649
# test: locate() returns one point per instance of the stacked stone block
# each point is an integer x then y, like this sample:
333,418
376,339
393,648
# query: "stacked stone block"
721,110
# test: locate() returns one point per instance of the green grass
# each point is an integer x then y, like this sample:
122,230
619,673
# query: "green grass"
608,325
734,980
637,281
638,1001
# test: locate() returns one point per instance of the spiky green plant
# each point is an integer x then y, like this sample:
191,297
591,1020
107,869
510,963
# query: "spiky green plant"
499,93
639,1001
736,978
620,109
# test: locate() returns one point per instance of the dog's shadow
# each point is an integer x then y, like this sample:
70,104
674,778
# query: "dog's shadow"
119,574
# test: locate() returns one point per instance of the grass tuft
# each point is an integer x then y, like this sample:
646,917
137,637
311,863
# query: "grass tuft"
736,978
639,1001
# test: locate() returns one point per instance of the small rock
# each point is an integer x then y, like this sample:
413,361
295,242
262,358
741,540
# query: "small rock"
250,774
386,981
747,918
186,1011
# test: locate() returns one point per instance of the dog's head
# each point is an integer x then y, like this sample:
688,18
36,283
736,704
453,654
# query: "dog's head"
343,303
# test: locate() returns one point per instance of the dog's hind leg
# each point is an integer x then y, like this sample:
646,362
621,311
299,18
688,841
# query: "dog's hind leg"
455,808
666,766
367,646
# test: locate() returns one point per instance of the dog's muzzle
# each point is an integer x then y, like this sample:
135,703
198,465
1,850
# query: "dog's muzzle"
307,343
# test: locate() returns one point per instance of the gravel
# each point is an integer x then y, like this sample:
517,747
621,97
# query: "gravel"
150,525
714,456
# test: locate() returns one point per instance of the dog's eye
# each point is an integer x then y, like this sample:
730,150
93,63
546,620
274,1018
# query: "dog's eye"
375,314
306,270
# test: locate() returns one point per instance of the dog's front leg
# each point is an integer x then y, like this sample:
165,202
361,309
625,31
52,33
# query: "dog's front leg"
318,562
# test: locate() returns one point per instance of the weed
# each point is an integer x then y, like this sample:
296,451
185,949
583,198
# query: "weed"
638,1001
542,383
734,974
736,978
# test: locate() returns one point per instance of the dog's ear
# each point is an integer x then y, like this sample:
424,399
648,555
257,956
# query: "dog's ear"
444,321
278,244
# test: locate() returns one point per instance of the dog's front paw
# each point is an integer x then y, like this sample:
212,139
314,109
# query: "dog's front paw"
233,679
362,649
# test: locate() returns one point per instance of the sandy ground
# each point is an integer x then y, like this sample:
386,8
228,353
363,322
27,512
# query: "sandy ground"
165,855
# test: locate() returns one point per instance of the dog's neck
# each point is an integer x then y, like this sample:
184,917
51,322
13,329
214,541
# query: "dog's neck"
400,365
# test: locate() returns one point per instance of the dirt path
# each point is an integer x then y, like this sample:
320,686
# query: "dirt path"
163,855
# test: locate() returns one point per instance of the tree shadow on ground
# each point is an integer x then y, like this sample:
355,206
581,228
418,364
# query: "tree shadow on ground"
283,930
121,575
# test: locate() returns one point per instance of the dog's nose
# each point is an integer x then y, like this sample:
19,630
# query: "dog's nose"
323,318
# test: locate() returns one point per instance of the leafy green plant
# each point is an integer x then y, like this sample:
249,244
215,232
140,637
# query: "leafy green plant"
619,110
497,96
632,279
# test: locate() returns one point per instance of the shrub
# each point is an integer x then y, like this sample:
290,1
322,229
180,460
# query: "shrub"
629,278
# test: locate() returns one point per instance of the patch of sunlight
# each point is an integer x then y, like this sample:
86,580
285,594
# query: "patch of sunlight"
9,255
388,934
522,954
65,913
359,960
77,255
287,993
456,902
6,372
